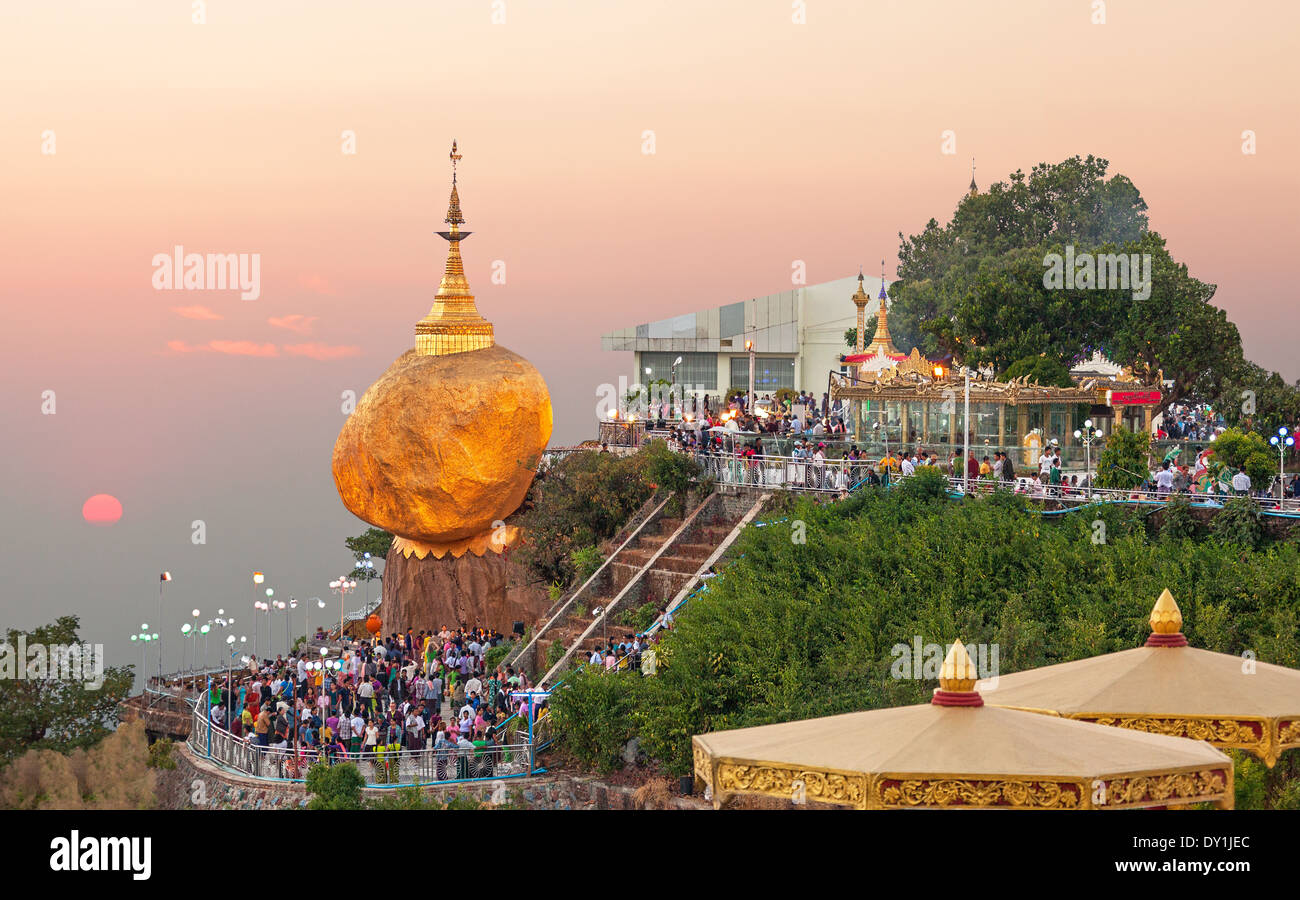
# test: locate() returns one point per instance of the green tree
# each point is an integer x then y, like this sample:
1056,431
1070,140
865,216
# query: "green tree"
869,329
55,713
580,501
1179,524
1123,461
975,287
1236,448
374,541
335,787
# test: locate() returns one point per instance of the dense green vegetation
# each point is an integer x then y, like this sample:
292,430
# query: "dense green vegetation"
798,630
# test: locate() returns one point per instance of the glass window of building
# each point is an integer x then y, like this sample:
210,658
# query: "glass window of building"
697,371
731,319
770,373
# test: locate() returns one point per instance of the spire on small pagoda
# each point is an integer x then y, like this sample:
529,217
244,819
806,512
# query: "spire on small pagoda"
860,299
881,342
973,189
453,324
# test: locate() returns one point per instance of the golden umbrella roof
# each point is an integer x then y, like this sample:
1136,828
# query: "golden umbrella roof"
957,752
1167,687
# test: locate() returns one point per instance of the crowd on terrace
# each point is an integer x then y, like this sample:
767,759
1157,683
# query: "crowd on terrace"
418,691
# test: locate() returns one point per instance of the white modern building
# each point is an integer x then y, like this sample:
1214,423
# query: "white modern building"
798,338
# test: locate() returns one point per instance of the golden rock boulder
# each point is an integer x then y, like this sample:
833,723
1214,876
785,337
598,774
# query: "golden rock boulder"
441,447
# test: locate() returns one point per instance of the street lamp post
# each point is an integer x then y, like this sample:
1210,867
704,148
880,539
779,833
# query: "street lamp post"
194,642
203,630
258,578
1087,436
672,389
965,421
143,637
1281,441
342,586
749,348
162,579
266,606
283,607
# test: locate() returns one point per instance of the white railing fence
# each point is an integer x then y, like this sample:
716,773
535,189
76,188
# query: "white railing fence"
390,768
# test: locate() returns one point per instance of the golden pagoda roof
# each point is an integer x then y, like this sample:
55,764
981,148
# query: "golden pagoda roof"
881,344
453,324
1167,687
957,752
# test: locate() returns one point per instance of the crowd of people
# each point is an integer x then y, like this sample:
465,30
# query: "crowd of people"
420,691
414,692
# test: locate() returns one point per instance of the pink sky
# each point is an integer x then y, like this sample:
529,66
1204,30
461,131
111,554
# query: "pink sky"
774,142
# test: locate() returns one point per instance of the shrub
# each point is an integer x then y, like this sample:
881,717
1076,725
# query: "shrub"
671,471
1123,462
497,655
927,484
592,716
1237,524
335,787
586,561
160,755
1179,523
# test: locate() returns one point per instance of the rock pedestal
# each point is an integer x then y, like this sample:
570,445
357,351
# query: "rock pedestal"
487,591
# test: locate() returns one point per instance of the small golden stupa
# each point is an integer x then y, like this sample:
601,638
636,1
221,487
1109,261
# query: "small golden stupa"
443,447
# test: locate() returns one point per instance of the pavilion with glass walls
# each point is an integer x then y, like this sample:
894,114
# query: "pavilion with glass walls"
915,409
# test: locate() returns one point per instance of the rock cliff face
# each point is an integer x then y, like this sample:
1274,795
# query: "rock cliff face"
488,590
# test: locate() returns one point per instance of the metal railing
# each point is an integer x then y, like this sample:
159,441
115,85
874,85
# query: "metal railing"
786,472
1080,495
380,768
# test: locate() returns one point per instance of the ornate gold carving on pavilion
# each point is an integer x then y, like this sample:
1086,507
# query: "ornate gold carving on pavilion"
1181,787
1018,793
789,783
453,324
1266,738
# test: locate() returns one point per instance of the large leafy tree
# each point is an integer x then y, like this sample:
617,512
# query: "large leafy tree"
974,288
56,713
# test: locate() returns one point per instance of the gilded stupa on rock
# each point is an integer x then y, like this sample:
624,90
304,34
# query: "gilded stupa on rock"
453,325
443,447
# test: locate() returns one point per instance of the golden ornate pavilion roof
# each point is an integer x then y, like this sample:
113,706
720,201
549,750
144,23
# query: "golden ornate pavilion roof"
1167,687
453,324
957,752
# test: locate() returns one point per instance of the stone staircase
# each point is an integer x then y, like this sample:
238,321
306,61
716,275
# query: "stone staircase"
650,570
